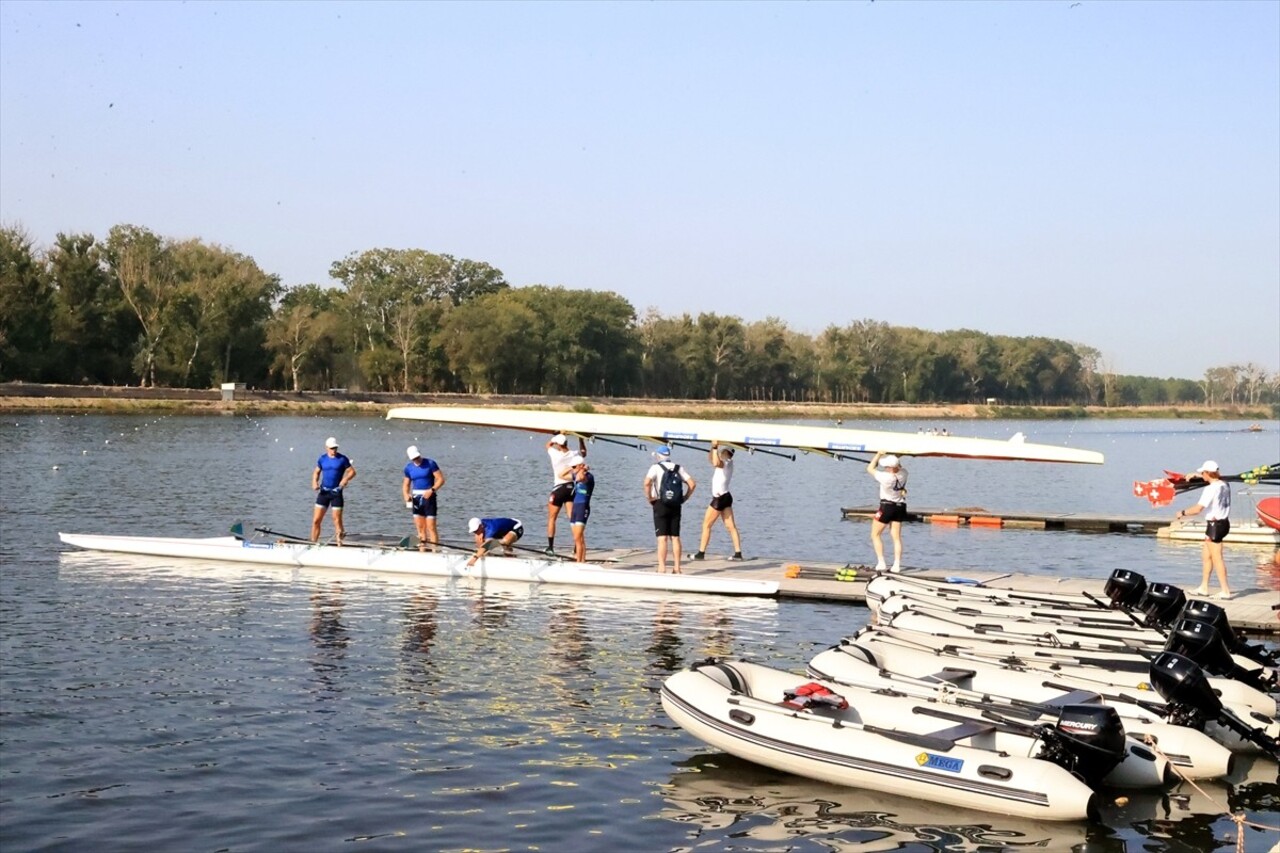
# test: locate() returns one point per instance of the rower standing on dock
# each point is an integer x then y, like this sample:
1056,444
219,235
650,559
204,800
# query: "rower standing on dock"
667,486
584,483
721,501
562,487
333,472
422,481
893,507
1215,502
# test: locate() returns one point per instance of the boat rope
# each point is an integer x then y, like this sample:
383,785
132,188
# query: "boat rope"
1238,818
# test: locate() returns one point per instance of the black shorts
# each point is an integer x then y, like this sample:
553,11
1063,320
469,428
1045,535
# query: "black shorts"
329,498
891,511
1216,531
424,506
722,502
561,495
666,519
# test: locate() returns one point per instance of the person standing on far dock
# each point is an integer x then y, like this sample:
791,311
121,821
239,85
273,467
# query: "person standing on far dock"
1215,503
667,486
562,487
893,507
721,501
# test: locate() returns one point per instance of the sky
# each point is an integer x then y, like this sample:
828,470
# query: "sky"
1106,173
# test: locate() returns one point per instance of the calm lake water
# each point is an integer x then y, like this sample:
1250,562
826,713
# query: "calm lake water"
178,705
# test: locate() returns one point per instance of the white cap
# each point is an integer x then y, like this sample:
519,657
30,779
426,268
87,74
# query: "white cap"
575,460
559,438
413,451
473,525
331,442
889,461
1209,466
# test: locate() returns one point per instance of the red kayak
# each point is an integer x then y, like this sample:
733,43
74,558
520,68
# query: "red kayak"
1269,512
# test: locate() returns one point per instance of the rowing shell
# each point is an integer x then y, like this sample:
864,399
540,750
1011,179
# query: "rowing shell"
372,559
809,439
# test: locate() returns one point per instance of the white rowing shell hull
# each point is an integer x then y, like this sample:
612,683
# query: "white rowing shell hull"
362,558
1192,752
748,434
753,725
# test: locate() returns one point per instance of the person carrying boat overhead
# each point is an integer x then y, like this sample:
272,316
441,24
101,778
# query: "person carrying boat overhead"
667,486
893,506
584,483
721,501
492,532
422,481
562,487
332,474
1215,503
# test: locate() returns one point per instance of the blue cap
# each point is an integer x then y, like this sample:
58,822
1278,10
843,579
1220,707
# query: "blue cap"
664,450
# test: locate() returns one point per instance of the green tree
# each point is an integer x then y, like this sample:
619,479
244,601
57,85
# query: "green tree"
93,327
143,269
26,308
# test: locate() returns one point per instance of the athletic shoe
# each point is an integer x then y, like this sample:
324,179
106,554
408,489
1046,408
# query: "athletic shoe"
701,555
737,555
881,567
895,568
551,552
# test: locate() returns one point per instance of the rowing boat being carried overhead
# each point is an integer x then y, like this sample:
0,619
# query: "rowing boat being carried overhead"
296,554
830,441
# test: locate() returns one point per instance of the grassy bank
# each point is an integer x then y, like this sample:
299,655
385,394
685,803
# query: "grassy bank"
17,398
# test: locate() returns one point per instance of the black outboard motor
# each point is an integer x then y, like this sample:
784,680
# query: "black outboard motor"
1207,611
1203,645
1088,740
1162,602
1192,703
1125,589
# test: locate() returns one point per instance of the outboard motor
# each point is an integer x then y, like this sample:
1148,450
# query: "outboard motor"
1087,740
1202,644
1125,589
1162,602
1207,611
1191,701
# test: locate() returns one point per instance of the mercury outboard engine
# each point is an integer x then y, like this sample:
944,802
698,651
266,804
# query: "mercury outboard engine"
1125,588
1162,602
1087,740
1192,703
1207,611
1202,643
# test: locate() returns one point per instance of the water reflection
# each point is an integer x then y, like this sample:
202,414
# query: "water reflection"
330,638
665,655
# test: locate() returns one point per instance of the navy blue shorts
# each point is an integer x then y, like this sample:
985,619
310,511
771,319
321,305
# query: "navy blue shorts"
722,502
329,498
1216,531
561,494
666,519
424,506
580,513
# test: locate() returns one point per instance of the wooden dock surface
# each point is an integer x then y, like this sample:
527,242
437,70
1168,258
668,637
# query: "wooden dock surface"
1251,610
1030,520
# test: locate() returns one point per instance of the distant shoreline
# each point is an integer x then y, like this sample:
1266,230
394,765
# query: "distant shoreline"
20,397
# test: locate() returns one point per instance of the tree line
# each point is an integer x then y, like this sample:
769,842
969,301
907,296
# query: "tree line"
140,308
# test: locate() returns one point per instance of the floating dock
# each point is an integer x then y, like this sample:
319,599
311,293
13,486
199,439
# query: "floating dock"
1252,610
975,516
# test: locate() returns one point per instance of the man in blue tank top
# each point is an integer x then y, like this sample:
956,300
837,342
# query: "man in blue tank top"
333,472
491,532
422,481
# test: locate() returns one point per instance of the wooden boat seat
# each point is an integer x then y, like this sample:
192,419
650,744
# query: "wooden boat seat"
973,728
953,675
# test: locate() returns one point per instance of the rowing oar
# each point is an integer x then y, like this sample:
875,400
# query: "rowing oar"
750,448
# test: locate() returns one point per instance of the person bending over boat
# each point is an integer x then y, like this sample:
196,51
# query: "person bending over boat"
667,486
333,471
422,481
721,501
1215,503
584,483
893,506
492,532
562,488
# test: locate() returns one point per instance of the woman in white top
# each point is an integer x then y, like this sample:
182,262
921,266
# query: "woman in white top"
1215,503
721,501
893,507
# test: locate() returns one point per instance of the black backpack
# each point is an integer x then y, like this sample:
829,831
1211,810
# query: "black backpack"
671,487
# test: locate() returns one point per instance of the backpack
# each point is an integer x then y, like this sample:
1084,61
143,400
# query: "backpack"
671,486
